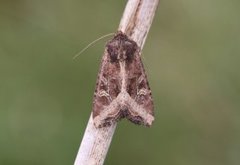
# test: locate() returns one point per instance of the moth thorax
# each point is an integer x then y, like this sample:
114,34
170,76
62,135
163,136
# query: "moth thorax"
121,54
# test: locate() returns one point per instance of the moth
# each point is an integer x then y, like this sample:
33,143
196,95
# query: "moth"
122,89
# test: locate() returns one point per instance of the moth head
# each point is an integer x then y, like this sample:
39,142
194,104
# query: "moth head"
121,48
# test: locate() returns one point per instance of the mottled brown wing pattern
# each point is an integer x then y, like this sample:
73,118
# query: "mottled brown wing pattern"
122,89
107,86
138,87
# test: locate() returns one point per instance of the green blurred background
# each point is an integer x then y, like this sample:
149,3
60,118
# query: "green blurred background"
192,57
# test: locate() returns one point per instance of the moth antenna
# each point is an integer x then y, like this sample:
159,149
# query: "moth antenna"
91,43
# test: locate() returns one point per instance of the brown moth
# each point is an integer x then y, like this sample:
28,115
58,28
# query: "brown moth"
122,89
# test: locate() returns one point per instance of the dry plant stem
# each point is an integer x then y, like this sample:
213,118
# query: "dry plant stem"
136,22
95,144
137,19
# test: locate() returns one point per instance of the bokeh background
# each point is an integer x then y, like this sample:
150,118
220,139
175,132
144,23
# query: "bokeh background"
192,57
